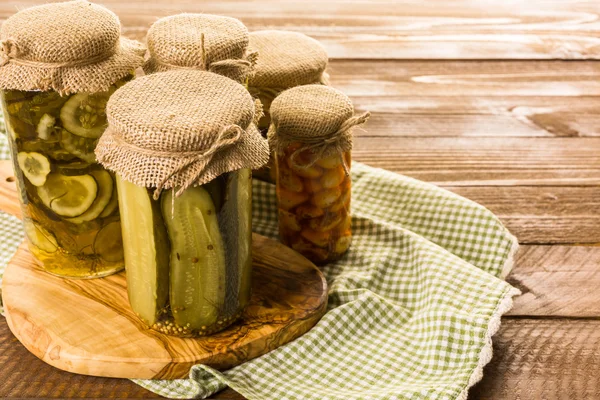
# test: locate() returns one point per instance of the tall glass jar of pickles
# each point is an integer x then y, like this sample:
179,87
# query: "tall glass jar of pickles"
183,168
55,84
311,133
202,42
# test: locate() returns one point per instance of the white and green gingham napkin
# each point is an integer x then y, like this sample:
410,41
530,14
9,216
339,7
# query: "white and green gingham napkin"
412,305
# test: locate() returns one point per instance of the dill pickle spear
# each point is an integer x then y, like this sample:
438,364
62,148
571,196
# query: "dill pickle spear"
197,278
146,251
235,219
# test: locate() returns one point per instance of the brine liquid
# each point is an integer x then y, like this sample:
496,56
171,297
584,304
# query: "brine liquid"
73,230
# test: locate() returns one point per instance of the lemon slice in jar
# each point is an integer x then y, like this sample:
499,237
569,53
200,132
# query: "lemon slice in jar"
35,167
68,196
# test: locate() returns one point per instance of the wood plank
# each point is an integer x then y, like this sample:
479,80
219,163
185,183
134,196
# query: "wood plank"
557,281
407,29
533,358
543,359
23,375
454,79
543,214
481,161
489,116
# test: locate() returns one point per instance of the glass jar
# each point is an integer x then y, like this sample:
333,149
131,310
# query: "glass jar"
68,201
189,257
314,204
184,182
311,134
286,59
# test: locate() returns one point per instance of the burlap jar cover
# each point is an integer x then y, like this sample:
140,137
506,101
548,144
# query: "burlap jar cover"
200,41
66,47
287,59
318,117
159,139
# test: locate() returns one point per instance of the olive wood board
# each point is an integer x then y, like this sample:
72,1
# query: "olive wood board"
86,326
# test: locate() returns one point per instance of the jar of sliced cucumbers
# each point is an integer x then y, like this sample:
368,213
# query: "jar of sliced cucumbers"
69,202
183,171
59,64
311,133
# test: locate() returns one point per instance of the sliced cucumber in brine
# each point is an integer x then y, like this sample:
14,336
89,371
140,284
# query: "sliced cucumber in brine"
40,237
112,204
35,167
197,268
45,128
105,192
108,243
68,196
74,168
79,146
147,251
84,114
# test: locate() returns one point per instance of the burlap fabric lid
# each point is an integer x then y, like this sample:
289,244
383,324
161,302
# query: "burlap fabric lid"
67,47
287,59
180,128
319,117
200,41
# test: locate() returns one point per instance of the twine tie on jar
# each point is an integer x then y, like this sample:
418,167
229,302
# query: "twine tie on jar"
227,136
11,53
322,144
245,65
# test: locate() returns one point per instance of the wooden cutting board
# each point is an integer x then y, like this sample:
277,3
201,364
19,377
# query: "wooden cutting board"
87,326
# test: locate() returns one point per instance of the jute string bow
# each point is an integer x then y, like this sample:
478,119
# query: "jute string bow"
11,53
337,142
244,66
197,159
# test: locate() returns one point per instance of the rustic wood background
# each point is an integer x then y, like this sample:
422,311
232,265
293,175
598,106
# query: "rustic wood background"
495,100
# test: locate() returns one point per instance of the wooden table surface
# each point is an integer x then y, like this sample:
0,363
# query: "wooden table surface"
494,100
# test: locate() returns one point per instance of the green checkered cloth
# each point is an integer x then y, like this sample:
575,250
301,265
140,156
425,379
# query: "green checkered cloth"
412,305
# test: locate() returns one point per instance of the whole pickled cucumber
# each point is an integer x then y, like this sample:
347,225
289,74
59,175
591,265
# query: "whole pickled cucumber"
197,279
147,252
235,224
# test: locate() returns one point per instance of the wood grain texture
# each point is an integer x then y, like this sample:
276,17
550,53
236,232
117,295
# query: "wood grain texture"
480,161
500,79
484,129
100,335
289,297
543,359
23,375
557,281
480,116
543,214
405,29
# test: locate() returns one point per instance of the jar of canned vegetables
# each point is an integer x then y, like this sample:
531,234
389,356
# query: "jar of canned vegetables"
286,59
311,134
59,65
202,42
183,167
